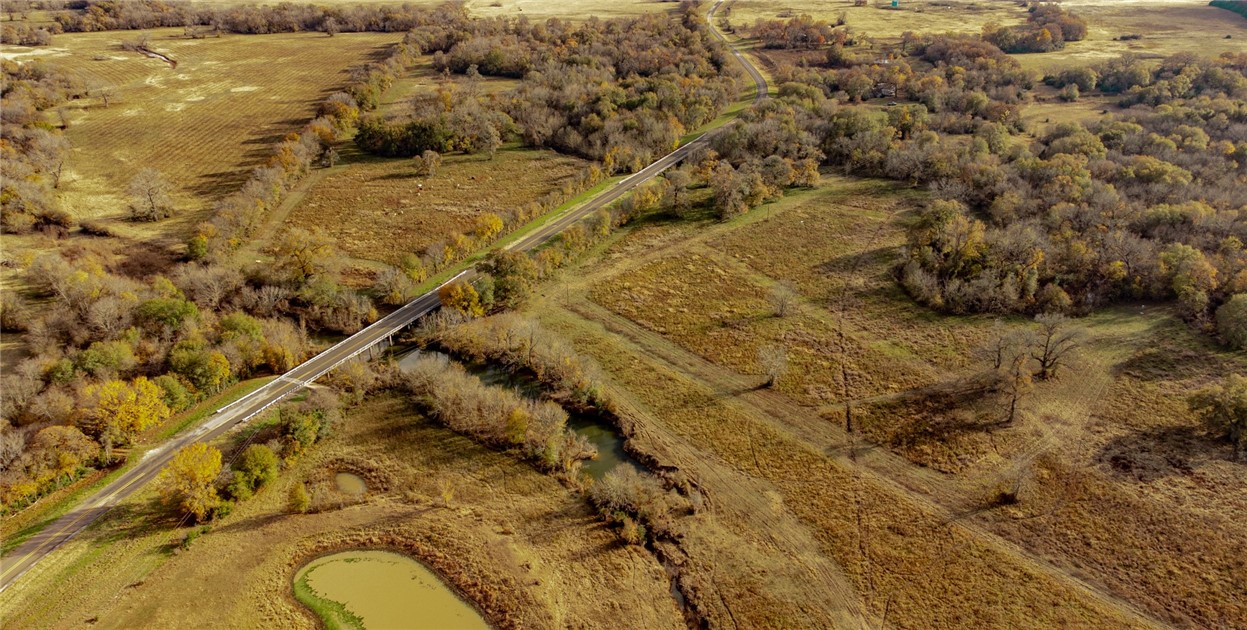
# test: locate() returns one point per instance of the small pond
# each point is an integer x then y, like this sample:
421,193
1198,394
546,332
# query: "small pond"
380,590
603,435
350,484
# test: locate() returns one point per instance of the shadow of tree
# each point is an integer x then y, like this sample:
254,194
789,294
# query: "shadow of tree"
1152,454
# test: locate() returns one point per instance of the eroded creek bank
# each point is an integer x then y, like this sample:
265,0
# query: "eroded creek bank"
605,436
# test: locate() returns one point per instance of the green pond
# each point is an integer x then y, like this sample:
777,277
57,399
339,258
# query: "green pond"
381,590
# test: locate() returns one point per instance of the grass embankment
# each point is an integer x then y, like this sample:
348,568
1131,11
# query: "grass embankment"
19,527
333,614
442,276
196,414
1237,6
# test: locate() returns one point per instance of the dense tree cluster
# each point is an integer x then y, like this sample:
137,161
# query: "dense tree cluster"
201,484
621,91
802,31
118,356
25,34
1148,203
1047,28
32,149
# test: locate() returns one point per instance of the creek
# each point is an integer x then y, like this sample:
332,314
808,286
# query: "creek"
598,432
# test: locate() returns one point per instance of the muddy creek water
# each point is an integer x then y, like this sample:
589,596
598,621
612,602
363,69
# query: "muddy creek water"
603,435
385,590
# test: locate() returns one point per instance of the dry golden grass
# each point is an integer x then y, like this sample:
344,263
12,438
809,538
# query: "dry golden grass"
378,209
204,124
528,550
421,79
896,554
1167,26
1109,441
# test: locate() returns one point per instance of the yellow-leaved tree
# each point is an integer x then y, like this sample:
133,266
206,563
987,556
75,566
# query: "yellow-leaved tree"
115,411
188,482
462,297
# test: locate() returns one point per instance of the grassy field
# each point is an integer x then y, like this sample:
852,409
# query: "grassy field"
1118,489
524,548
1167,26
378,209
204,124
421,79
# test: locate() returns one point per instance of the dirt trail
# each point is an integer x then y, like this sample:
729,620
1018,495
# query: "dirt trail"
947,497
772,540
922,487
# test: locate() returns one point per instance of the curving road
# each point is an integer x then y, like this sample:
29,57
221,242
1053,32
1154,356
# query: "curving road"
21,560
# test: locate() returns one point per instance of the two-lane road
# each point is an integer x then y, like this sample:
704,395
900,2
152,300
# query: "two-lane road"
16,563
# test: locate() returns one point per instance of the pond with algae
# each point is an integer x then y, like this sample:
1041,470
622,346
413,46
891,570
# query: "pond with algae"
380,590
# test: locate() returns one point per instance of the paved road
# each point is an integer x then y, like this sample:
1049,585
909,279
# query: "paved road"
15,564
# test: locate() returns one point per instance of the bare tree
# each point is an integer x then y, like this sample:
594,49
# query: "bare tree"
49,151
774,362
1056,343
1008,356
105,93
782,299
1015,380
149,196
332,27
1003,344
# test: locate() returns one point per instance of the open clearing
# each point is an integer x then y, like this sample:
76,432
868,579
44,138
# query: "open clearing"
204,124
377,209
511,538
1167,26
1108,464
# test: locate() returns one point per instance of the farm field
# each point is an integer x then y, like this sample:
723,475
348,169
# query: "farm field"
512,537
204,124
690,303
